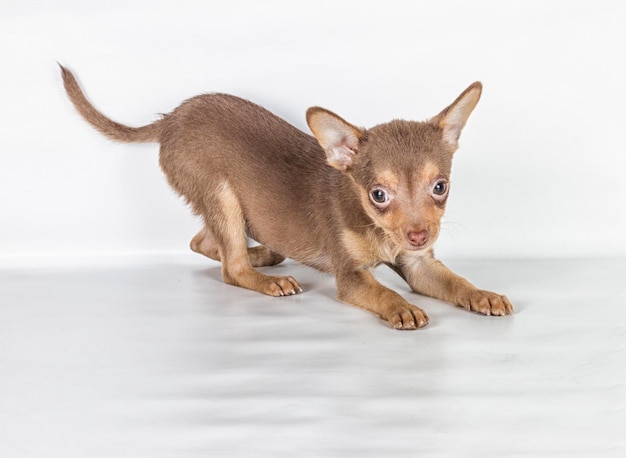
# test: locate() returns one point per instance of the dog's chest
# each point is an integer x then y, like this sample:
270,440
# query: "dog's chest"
370,247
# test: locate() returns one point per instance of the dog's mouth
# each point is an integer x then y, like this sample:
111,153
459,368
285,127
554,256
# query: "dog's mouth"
409,247
416,249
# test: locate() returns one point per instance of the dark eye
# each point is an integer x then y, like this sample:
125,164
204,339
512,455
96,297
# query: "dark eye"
379,197
441,187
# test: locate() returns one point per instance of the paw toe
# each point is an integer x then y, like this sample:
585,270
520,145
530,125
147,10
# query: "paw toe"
488,303
285,286
408,318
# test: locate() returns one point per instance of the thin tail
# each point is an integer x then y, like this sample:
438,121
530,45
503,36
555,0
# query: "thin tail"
106,126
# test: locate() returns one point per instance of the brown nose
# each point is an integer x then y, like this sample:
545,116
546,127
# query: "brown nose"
418,239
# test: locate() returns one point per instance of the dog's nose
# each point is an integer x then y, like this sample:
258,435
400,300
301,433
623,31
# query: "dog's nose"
418,238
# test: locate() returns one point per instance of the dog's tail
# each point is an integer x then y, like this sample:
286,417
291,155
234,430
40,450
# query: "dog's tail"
106,126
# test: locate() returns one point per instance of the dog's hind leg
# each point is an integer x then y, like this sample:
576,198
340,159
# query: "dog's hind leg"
260,256
204,244
226,234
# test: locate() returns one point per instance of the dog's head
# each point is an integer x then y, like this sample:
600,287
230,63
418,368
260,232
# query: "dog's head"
401,169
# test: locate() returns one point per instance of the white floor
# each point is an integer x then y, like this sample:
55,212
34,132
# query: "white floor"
163,360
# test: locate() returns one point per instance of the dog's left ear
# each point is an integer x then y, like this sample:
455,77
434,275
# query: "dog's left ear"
339,139
453,118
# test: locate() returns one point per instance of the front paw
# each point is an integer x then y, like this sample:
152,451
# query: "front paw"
487,303
405,316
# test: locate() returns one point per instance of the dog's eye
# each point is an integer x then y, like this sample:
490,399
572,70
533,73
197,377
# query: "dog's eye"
379,196
440,189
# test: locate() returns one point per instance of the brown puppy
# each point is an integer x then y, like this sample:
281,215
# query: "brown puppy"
342,202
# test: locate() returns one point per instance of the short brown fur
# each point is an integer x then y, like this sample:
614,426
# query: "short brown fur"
343,201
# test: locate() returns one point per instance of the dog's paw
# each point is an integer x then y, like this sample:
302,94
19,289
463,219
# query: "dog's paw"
280,286
487,303
406,317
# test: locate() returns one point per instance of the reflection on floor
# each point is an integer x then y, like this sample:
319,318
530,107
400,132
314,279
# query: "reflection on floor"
162,359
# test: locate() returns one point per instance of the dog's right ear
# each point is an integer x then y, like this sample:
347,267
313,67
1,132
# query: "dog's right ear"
339,139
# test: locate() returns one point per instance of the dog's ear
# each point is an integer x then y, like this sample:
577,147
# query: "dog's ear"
339,139
453,118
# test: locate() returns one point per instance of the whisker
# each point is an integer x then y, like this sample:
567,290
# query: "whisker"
372,224
453,228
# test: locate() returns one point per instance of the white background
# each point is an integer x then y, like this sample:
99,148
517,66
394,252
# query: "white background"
540,172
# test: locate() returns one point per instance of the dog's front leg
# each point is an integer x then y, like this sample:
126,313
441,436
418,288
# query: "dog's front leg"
359,287
428,276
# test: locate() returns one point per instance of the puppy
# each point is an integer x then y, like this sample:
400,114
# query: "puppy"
343,201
